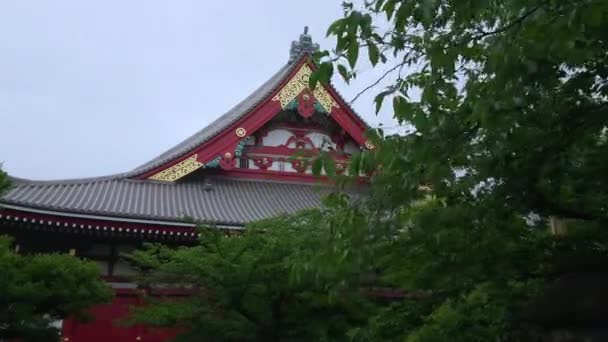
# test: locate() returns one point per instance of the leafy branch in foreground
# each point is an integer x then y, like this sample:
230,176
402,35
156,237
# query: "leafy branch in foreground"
37,290
507,101
244,289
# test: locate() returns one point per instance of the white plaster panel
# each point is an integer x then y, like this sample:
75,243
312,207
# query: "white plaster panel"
289,167
252,165
321,140
276,137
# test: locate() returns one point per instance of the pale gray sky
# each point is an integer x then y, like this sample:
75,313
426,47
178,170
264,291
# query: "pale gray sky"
90,88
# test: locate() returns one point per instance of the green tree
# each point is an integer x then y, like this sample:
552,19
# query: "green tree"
36,290
507,104
507,101
244,289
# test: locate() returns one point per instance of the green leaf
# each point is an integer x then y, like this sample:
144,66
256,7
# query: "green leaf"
335,28
379,99
313,80
389,8
403,109
344,73
352,54
373,52
378,5
317,166
326,71
329,164
318,55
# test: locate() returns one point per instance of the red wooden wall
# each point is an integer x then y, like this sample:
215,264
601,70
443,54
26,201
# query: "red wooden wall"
107,324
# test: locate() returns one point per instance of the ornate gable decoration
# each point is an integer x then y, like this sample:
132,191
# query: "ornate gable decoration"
224,150
299,83
178,170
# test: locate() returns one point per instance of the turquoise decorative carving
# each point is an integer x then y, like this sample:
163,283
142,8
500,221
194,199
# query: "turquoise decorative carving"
213,163
293,105
238,151
319,108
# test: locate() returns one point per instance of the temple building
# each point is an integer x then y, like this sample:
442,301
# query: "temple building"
251,163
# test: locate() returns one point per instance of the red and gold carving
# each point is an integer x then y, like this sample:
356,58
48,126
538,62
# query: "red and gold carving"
227,164
300,165
178,170
299,142
340,167
306,103
263,163
298,83
241,132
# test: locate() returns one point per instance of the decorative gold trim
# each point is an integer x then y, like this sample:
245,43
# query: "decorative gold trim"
370,145
241,132
298,83
178,170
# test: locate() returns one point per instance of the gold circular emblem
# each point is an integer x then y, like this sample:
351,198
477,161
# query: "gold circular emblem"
241,132
370,145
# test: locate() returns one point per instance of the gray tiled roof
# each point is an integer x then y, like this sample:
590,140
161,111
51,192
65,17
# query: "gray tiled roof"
225,201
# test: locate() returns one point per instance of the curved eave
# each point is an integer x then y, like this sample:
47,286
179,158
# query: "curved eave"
73,223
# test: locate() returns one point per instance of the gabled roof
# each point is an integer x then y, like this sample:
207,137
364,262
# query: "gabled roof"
249,115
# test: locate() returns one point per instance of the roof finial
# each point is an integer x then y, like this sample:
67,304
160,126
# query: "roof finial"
303,45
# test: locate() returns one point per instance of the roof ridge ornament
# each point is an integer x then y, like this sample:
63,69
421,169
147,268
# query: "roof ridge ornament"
304,44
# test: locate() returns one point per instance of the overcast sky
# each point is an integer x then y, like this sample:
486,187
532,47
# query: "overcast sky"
91,88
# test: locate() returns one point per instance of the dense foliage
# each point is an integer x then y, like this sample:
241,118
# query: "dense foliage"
243,286
37,290
508,108
507,101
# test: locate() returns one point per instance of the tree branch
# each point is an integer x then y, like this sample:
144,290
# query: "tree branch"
388,72
483,34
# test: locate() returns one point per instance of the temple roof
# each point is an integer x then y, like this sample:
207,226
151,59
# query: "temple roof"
227,201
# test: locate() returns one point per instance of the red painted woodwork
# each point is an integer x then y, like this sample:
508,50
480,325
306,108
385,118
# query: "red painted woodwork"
101,226
341,167
281,176
344,119
306,103
339,139
263,162
299,142
259,116
301,129
287,152
227,162
108,326
300,165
